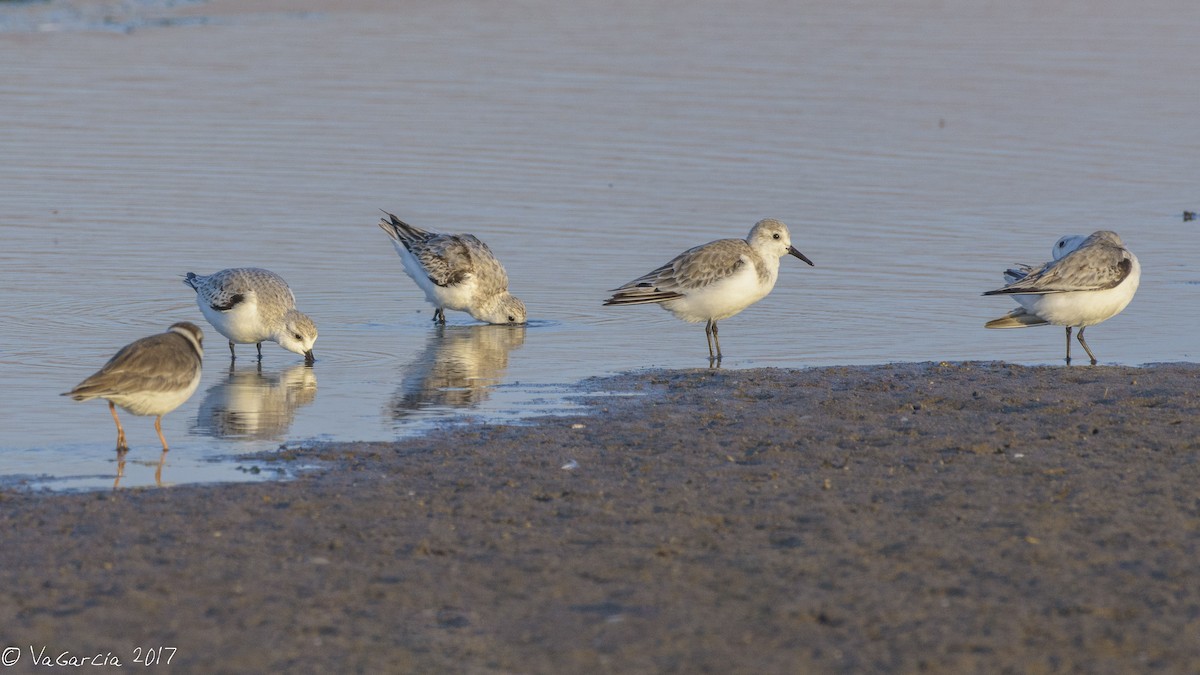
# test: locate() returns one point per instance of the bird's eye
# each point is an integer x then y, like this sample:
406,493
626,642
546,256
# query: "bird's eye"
297,336
775,236
512,319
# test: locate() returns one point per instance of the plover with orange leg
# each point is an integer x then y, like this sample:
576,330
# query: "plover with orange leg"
150,376
249,305
456,271
1087,286
714,281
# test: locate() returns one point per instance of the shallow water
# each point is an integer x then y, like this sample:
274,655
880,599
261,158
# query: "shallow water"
915,152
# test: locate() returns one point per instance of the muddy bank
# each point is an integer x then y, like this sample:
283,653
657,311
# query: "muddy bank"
940,518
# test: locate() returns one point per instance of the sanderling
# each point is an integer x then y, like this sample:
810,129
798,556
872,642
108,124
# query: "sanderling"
248,305
150,376
716,280
456,271
1084,287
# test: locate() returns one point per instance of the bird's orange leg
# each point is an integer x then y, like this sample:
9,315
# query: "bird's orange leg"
121,444
158,428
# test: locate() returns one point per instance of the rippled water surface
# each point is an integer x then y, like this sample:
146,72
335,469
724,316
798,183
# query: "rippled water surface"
915,149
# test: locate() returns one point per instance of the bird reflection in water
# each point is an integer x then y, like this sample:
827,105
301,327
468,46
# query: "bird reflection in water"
458,368
257,405
158,467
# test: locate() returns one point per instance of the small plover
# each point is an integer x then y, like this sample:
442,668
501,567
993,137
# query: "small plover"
150,376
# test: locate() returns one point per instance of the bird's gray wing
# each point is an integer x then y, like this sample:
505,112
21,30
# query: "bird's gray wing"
446,258
162,362
696,267
1095,267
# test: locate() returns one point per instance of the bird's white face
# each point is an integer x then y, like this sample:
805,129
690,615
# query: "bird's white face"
771,235
299,334
510,310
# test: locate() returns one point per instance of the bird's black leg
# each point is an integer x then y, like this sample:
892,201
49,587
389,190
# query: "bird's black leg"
1068,345
1085,347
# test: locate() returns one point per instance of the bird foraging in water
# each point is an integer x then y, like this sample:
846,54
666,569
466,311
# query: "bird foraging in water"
716,280
249,305
150,376
1086,286
456,271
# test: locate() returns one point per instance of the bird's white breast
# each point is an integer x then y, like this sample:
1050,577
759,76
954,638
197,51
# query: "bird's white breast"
726,297
242,324
156,402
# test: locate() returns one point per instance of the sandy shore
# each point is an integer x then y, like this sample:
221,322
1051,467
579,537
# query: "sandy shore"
948,518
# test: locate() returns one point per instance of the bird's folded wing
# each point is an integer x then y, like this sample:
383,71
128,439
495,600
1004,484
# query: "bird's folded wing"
1091,268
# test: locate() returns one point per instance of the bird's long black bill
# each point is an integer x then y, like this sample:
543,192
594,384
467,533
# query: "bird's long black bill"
792,251
309,359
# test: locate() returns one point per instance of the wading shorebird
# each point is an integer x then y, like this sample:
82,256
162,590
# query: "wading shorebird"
249,305
1087,285
456,271
716,280
150,376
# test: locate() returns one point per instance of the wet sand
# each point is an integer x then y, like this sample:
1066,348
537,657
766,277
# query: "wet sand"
950,518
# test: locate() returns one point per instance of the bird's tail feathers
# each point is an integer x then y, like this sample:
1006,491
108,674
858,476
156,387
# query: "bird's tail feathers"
401,231
640,296
1018,318
83,392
